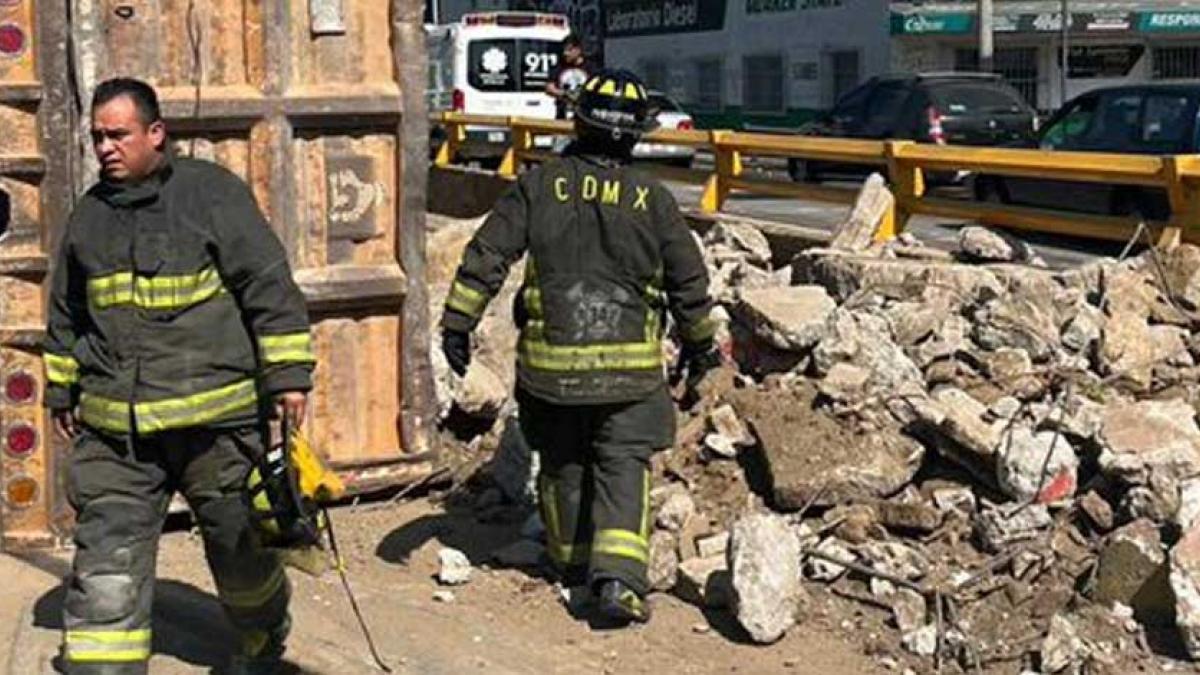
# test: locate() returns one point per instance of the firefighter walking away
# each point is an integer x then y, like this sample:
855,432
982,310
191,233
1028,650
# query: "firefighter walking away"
174,330
608,256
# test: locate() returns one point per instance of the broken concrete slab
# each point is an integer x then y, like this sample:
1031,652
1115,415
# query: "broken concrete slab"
1039,466
1133,571
980,244
743,238
1062,648
725,421
1149,437
857,232
1000,526
764,562
663,570
1185,583
790,319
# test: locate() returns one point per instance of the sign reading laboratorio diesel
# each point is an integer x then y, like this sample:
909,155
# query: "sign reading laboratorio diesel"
771,6
627,18
961,23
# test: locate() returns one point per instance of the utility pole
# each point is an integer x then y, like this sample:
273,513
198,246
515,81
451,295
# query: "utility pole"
986,49
1065,69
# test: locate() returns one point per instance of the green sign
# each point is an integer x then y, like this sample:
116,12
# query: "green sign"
1168,22
926,24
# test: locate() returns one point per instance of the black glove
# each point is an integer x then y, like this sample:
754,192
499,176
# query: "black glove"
699,359
456,345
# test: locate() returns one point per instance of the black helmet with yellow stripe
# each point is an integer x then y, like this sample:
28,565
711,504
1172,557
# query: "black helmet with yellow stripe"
615,101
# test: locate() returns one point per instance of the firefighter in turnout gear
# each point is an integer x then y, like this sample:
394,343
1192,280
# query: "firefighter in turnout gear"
174,329
608,256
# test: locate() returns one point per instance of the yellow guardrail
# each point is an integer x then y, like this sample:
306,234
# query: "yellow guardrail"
905,163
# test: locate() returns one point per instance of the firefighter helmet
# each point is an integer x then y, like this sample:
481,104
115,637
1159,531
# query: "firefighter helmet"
615,101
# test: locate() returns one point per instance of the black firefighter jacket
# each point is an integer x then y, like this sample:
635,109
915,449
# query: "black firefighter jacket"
173,306
609,252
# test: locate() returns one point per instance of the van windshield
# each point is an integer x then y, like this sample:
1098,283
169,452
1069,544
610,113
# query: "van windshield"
511,64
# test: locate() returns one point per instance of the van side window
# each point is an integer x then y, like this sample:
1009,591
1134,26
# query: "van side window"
1068,131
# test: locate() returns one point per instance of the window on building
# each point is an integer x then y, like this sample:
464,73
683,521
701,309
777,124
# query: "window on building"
1108,61
1017,65
1175,63
706,85
762,83
654,74
844,73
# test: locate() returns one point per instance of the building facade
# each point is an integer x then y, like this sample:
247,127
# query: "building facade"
750,64
1107,42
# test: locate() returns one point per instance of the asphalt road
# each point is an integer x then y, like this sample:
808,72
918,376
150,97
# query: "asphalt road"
1057,251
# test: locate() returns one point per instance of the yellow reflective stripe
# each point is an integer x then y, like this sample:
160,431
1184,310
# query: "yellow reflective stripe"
160,292
645,506
255,597
173,413
622,543
703,329
109,636
114,656
467,300
83,646
289,348
541,355
61,369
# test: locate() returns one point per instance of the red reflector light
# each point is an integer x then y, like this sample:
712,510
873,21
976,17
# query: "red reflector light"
685,125
20,387
12,40
20,440
21,491
458,101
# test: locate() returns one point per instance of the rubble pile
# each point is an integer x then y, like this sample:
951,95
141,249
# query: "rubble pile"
999,458
964,460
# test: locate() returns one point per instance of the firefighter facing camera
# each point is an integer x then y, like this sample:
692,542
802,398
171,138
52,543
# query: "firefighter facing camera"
609,255
175,330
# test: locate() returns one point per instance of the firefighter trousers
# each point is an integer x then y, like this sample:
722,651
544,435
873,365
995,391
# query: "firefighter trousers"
121,491
594,483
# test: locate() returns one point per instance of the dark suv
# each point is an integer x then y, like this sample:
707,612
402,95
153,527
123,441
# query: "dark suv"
958,108
1151,119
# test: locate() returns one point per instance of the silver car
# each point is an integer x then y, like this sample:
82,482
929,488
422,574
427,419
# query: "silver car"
670,116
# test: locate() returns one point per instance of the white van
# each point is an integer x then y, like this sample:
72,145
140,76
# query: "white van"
495,63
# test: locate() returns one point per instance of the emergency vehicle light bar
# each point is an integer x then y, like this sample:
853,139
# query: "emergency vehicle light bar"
514,19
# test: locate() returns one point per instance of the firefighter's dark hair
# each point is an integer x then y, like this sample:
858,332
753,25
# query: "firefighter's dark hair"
142,95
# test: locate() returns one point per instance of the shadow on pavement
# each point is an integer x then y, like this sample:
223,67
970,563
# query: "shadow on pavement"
189,624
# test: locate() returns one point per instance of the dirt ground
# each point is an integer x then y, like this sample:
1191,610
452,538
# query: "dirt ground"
503,621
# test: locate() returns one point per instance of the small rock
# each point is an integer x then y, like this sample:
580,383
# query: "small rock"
845,383
823,570
896,559
999,526
1083,329
1187,515
981,244
454,567
764,560
715,545
959,499
704,582
663,570
1098,511
445,597
908,610
922,641
914,516
676,510
720,446
726,423
1005,408
1062,647
701,628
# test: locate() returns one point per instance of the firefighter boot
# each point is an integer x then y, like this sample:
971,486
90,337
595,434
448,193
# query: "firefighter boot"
262,651
620,605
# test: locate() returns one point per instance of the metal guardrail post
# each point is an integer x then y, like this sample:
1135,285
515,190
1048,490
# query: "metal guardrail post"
1184,198
908,185
728,166
456,134
520,142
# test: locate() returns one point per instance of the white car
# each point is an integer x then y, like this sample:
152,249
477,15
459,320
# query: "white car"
670,116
